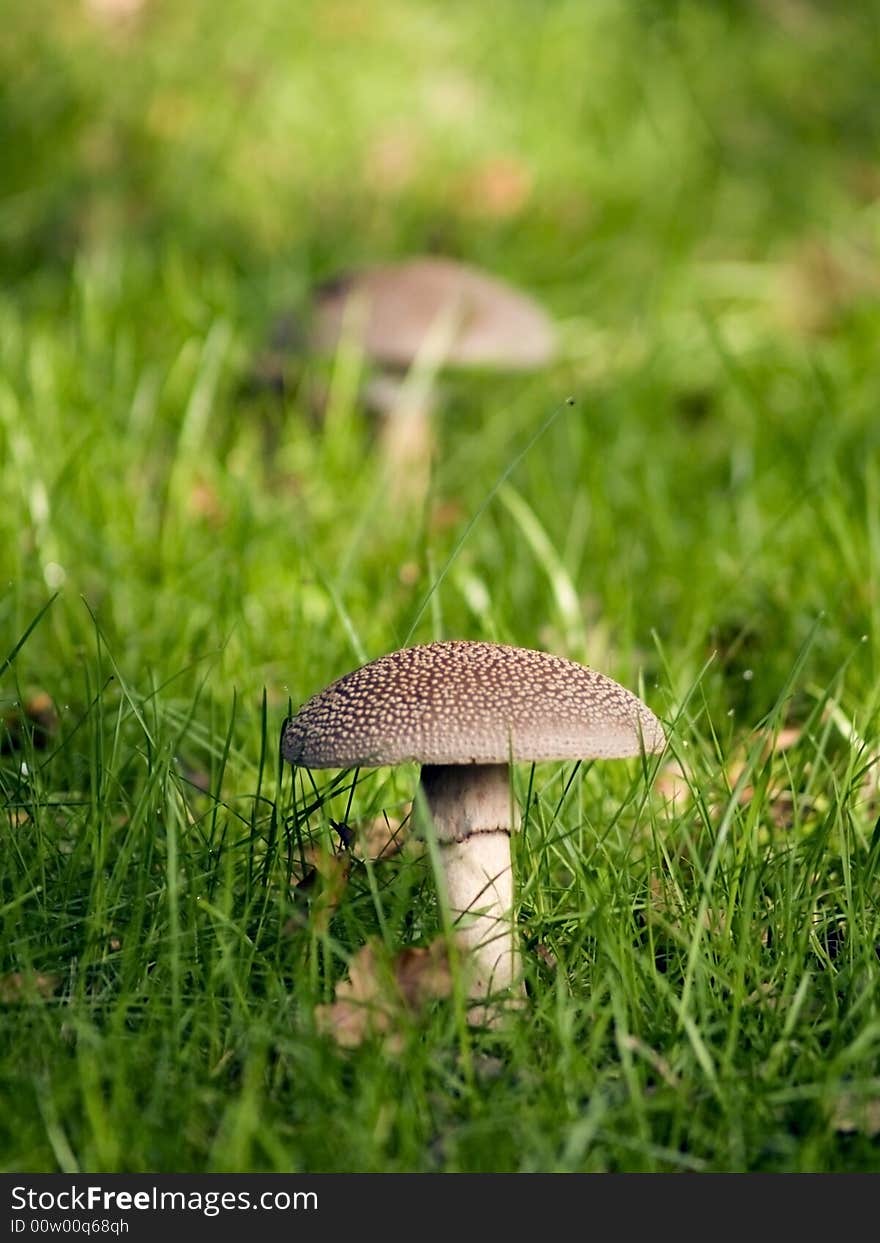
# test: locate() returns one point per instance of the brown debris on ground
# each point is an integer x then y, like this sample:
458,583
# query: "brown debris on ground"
35,717
381,998
27,986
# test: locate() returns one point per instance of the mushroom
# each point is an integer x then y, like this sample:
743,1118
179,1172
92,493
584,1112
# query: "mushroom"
490,324
465,711
413,318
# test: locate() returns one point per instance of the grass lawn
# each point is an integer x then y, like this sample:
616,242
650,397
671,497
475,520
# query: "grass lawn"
688,499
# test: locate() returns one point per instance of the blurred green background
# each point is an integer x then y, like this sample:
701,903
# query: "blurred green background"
692,190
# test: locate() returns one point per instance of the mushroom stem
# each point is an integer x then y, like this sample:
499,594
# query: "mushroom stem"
405,436
472,811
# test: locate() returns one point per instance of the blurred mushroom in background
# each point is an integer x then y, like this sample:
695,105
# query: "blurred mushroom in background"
409,321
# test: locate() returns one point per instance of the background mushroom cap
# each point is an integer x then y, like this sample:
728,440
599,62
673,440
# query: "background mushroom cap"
392,308
469,703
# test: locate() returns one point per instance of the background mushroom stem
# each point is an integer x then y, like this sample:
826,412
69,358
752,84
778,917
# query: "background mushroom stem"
406,436
472,810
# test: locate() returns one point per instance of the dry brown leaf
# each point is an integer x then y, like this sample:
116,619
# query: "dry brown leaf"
820,283
854,1115
715,920
358,1010
204,502
547,957
113,10
321,883
317,861
26,985
423,974
36,717
382,837
498,188
350,1020
784,739
379,999
346,1022
445,514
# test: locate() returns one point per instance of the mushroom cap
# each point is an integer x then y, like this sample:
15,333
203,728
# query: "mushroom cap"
463,702
392,308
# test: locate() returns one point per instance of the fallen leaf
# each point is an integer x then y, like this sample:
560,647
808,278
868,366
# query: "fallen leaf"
787,737
24,986
346,1022
547,957
318,887
382,837
423,974
113,10
715,920
35,718
379,999
820,283
204,502
355,1013
497,189
852,1114
445,514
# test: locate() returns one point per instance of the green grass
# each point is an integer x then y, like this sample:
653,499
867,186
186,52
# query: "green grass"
183,556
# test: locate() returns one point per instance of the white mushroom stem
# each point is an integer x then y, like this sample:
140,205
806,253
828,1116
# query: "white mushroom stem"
406,437
472,812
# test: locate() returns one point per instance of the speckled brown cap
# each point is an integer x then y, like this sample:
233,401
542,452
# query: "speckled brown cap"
469,703
391,308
